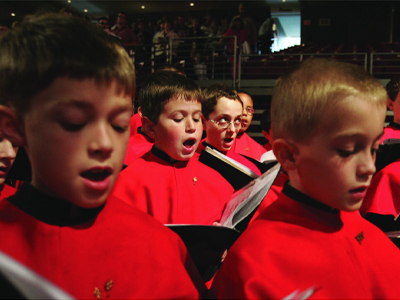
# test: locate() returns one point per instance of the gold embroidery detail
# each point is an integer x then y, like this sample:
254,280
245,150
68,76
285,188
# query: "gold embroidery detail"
194,180
108,286
360,237
97,293
247,149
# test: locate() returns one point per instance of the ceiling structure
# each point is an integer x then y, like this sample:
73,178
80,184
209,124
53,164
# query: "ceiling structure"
99,8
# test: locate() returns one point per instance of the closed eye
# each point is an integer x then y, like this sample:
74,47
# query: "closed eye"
345,153
120,129
72,127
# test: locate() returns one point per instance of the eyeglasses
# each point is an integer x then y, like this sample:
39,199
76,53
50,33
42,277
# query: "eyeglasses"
224,124
249,110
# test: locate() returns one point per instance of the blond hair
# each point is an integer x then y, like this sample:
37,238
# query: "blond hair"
302,98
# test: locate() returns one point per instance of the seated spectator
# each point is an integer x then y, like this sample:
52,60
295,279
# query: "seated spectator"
161,41
122,30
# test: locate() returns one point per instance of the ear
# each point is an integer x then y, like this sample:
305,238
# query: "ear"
148,127
10,126
390,104
139,110
204,122
286,153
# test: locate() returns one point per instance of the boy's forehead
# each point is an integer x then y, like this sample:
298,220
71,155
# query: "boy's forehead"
82,93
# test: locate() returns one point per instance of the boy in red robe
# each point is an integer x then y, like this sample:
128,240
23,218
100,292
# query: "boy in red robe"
244,144
222,110
7,158
312,238
68,101
392,131
168,182
381,205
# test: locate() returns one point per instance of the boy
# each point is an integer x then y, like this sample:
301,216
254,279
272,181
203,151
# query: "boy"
381,205
139,142
222,110
392,131
244,144
7,158
327,119
167,182
66,90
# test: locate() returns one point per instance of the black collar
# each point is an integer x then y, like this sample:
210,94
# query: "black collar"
164,156
294,194
394,124
51,210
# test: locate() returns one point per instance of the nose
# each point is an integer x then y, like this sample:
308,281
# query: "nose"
231,127
101,143
366,165
7,150
190,126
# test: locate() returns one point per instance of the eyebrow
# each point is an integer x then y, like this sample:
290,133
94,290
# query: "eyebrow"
346,136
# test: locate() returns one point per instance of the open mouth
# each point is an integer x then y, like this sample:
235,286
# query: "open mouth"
359,190
228,140
96,174
189,143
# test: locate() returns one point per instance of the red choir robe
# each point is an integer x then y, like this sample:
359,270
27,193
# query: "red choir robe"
232,154
392,131
136,122
179,192
7,191
138,145
298,243
383,192
114,247
245,145
267,147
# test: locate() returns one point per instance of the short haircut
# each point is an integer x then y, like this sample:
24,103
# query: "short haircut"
161,87
301,98
213,93
171,67
392,88
265,120
51,46
104,18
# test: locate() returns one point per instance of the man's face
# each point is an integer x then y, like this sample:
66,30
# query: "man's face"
121,19
104,24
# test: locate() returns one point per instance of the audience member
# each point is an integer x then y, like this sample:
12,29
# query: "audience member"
266,34
312,239
122,30
249,25
236,29
161,41
70,109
